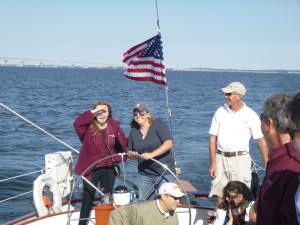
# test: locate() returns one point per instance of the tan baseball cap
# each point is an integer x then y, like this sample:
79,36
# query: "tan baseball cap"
235,87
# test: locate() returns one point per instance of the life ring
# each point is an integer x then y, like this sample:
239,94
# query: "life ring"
39,184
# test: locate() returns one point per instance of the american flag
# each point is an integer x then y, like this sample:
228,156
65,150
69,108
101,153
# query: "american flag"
145,61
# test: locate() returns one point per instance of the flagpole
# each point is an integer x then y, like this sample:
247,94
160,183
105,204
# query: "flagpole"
169,112
157,22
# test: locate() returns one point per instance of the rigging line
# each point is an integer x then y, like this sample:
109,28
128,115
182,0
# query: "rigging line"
21,175
167,96
169,112
170,121
4,200
33,124
255,166
158,17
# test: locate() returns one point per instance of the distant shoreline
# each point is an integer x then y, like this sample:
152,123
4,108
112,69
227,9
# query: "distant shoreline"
236,70
167,69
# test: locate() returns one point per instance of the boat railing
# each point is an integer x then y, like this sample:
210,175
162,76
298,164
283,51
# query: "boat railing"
125,180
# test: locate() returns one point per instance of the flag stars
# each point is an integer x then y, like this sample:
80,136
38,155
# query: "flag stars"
148,64
154,48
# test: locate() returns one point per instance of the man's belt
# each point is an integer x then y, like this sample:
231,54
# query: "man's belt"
232,154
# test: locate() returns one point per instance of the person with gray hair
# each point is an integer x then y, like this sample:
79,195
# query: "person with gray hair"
293,113
276,198
231,129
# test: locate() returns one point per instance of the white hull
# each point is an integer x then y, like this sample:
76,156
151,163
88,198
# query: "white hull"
193,215
197,218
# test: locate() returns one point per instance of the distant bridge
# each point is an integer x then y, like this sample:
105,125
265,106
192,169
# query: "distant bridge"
23,62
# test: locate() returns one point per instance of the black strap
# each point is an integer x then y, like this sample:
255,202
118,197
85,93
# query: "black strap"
106,145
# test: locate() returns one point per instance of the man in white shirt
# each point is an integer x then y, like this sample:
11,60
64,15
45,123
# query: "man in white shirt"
231,129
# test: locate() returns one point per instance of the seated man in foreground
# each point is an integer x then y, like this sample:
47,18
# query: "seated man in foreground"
160,211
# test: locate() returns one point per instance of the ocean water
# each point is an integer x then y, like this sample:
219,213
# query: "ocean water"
53,97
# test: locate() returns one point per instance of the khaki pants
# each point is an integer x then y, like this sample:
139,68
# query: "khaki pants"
237,168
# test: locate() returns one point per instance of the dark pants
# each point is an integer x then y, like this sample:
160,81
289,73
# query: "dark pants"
106,177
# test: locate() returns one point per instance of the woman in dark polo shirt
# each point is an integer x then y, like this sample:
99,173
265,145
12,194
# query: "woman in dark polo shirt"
152,139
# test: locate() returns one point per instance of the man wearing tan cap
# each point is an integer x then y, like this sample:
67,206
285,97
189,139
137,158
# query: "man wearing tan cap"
160,211
231,129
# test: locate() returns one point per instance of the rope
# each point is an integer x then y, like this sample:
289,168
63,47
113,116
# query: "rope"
33,124
21,175
15,196
256,167
169,112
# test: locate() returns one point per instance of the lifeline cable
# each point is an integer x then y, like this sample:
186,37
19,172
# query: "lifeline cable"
33,124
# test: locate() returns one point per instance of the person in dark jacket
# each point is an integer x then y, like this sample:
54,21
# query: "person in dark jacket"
101,136
293,113
276,204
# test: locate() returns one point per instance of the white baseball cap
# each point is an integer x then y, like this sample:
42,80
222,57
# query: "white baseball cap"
171,189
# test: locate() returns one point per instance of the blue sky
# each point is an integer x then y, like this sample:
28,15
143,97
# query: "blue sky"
231,34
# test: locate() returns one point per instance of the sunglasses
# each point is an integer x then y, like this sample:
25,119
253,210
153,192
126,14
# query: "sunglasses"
232,196
175,198
229,94
292,132
139,113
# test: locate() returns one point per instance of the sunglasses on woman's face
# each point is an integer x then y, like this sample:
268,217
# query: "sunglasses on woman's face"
139,113
232,196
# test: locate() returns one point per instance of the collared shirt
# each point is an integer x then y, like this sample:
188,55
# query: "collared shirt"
158,206
146,213
234,129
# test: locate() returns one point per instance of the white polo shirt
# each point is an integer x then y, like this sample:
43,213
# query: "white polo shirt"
234,129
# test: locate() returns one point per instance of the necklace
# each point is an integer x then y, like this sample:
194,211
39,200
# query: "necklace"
144,131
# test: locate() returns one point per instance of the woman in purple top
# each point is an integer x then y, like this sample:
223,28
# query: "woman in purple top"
101,136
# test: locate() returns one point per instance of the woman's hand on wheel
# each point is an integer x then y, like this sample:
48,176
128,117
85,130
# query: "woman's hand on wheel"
133,157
